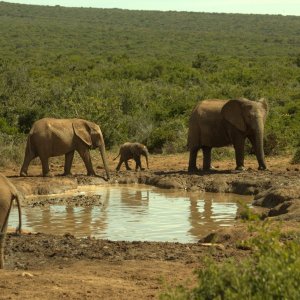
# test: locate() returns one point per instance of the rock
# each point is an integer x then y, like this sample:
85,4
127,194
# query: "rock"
27,275
217,246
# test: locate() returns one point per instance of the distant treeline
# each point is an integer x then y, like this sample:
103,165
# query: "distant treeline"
138,74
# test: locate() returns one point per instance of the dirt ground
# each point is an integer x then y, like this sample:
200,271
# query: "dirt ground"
41,266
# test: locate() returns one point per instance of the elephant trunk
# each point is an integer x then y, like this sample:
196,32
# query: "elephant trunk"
103,155
259,143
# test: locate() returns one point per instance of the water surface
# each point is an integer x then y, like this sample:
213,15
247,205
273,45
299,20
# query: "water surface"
137,213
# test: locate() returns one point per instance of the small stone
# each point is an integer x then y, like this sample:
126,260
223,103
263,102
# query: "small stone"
27,275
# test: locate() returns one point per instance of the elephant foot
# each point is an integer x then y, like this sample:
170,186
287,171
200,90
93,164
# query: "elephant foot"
240,168
66,174
49,174
210,169
262,168
23,174
193,170
91,174
18,231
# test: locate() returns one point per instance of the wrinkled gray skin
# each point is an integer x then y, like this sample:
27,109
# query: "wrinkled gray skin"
132,151
218,123
8,193
50,137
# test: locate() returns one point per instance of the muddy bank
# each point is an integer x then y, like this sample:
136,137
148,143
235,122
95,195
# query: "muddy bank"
44,266
276,191
67,247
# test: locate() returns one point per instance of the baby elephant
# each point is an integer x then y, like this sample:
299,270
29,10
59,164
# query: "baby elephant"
132,151
8,193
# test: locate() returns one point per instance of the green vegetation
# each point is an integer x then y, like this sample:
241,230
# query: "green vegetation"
296,157
138,74
271,272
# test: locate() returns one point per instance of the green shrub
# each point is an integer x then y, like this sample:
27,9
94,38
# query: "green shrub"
296,157
170,137
12,149
271,272
222,153
145,70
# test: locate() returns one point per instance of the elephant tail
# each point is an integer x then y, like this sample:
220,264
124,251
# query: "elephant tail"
29,151
116,156
18,198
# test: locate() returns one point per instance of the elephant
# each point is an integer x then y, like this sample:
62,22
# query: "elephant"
8,193
50,137
132,151
218,123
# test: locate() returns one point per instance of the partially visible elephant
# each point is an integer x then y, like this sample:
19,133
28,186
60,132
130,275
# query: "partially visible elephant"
218,123
50,137
132,151
8,193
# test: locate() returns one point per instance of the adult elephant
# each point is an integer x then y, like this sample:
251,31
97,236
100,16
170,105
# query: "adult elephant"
8,193
132,151
50,137
218,123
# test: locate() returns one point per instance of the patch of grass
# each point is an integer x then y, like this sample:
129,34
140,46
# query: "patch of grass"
271,272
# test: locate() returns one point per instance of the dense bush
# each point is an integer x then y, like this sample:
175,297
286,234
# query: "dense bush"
138,74
271,272
12,149
296,157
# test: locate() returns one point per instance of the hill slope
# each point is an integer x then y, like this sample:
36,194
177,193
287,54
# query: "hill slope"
139,73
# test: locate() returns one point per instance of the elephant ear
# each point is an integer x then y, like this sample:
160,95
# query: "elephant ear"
233,113
264,104
82,131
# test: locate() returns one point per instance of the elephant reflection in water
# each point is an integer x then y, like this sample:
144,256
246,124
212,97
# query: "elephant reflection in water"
135,198
84,222
200,221
203,223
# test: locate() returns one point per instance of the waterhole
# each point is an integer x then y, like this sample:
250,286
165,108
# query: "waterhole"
135,213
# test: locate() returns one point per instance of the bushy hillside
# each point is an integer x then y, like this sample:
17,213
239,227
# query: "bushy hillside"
138,74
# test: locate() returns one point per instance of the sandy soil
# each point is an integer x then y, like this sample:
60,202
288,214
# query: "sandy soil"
40,266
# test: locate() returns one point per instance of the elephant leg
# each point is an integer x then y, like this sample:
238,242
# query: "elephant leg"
27,159
45,166
86,157
119,164
2,237
138,163
192,159
127,166
261,163
68,163
239,145
2,242
206,158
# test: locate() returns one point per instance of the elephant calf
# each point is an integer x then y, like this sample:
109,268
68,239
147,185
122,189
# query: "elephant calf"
8,193
132,151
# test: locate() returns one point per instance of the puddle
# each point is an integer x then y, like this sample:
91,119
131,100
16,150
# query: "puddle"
136,213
